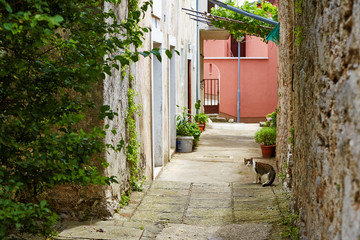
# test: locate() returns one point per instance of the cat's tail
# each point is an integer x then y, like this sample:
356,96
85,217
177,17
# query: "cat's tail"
272,176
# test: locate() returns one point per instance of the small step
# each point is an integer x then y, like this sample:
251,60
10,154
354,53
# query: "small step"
218,119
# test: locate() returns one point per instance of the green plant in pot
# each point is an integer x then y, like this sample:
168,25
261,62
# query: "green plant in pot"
186,132
200,118
266,137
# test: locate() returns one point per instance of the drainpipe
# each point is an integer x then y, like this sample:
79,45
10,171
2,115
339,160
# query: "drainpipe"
197,55
238,91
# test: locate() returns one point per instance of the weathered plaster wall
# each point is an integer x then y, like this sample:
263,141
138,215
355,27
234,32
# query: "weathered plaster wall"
326,113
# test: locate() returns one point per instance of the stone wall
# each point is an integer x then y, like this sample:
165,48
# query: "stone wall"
319,95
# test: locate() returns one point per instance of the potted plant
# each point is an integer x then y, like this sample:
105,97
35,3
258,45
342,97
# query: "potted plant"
200,118
188,133
271,119
266,137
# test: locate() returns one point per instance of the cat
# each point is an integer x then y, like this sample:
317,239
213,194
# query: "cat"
261,169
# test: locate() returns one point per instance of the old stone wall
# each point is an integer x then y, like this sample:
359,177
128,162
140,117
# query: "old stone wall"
320,99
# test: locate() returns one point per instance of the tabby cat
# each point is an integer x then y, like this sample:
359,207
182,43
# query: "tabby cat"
261,169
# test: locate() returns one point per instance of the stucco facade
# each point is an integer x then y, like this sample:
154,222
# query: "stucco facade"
258,77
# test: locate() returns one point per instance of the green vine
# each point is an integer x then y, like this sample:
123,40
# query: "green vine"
251,26
132,148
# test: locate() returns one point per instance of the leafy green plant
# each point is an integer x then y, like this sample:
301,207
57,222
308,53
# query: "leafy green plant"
183,123
289,218
292,230
271,119
266,136
125,199
201,118
251,26
195,132
52,54
133,145
184,127
198,105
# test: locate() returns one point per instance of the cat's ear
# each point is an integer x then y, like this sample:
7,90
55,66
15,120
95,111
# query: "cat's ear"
251,159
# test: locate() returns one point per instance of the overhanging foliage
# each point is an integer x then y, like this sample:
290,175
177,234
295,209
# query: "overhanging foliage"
250,25
51,55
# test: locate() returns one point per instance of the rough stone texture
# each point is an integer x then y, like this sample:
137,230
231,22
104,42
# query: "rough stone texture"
325,115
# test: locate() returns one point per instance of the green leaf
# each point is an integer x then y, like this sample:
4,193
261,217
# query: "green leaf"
7,6
145,53
168,53
156,52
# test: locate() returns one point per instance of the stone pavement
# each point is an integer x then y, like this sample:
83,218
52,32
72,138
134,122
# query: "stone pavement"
207,194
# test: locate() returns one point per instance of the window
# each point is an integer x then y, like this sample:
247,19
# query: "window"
234,47
210,5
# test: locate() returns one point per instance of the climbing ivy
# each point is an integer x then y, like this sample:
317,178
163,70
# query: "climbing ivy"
132,148
251,26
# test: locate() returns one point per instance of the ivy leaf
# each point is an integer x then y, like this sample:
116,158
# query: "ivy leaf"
168,53
177,52
145,53
156,52
124,61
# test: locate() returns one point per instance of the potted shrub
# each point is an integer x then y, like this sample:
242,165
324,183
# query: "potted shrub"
271,119
266,137
201,119
188,133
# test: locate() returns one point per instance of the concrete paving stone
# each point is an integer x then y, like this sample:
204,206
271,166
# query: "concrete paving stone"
156,217
137,196
203,187
256,216
210,221
211,195
193,171
168,192
208,212
248,205
209,203
165,200
148,227
101,232
128,210
161,207
170,185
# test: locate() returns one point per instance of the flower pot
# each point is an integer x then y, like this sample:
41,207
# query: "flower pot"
184,144
201,126
268,151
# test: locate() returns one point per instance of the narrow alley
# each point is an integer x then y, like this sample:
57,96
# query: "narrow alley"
207,194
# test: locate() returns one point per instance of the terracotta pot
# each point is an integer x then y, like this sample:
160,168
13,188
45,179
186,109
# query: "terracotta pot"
268,151
201,126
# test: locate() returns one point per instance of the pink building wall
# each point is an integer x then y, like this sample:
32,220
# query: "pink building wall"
258,78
